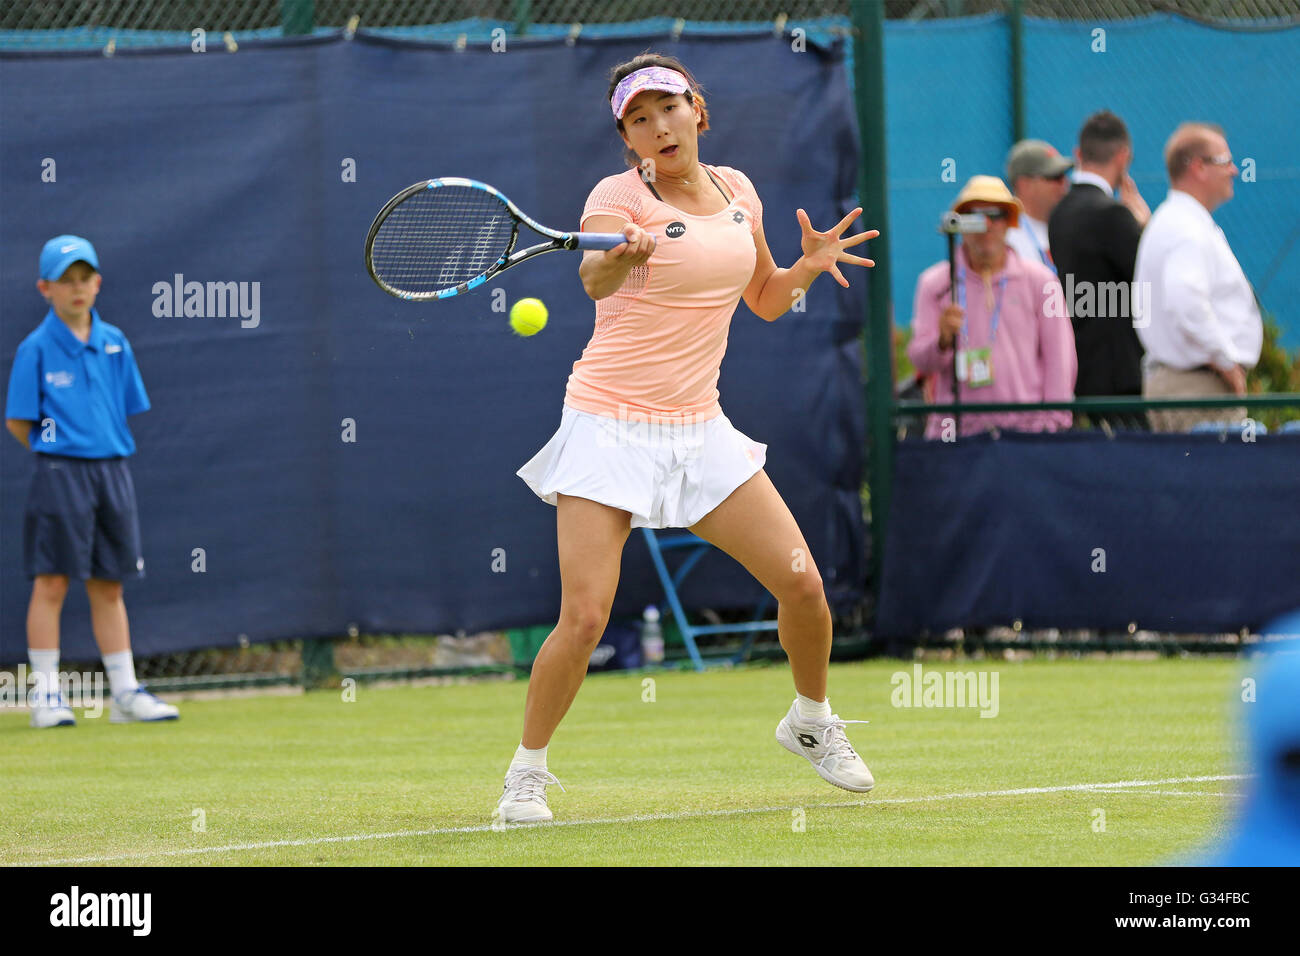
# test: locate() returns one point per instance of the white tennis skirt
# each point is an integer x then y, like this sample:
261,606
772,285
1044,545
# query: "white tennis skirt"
668,475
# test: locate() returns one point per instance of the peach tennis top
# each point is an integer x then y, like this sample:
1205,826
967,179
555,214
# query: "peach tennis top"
659,340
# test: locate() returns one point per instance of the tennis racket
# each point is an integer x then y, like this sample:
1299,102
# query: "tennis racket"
444,237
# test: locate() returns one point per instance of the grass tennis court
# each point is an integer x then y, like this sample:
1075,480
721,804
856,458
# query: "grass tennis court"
692,778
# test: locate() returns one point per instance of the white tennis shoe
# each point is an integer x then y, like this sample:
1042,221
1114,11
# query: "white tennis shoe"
524,799
52,710
827,748
140,705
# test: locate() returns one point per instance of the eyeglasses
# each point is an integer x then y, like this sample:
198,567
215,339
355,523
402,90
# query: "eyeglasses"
1224,160
994,213
1058,178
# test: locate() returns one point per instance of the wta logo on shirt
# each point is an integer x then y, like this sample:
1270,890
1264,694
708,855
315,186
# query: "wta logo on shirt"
675,230
59,379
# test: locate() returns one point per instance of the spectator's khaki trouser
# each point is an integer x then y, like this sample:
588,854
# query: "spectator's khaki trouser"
1163,382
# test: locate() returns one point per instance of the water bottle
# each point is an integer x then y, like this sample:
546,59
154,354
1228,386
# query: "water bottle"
652,637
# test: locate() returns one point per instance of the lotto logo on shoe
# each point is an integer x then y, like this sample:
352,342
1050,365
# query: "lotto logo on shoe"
808,740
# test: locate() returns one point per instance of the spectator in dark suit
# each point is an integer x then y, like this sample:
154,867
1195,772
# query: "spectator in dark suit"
1094,240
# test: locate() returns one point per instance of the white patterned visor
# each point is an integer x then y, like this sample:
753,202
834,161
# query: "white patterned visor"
649,78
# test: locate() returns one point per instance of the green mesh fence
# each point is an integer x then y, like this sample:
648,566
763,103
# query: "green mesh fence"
73,23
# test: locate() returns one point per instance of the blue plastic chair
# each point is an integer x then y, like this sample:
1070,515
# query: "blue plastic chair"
696,548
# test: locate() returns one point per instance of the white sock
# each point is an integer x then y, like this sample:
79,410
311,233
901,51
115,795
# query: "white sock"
120,668
809,709
45,664
529,758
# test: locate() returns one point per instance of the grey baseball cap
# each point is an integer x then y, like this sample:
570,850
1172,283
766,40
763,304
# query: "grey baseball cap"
1033,157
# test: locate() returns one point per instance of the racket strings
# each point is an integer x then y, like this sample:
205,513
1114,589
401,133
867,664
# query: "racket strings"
437,238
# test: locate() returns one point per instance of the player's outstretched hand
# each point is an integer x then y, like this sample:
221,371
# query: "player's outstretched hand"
825,250
636,250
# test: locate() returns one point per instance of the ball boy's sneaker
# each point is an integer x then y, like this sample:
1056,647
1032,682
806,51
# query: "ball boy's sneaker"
524,799
140,705
827,748
52,710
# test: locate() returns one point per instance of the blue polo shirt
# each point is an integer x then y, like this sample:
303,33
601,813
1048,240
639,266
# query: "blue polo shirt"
87,389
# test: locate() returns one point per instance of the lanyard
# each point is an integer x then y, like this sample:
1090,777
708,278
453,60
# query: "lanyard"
1042,253
997,308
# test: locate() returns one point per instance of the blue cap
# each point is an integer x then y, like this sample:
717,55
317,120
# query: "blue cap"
62,251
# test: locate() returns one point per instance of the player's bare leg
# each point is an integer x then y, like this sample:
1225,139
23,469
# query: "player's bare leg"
591,538
755,527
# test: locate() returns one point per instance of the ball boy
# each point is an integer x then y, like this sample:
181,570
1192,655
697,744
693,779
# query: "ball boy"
74,382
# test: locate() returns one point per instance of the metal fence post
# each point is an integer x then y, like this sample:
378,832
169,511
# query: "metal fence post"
318,667
523,14
1016,20
869,82
297,16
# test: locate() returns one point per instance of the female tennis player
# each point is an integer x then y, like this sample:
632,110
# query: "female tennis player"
643,441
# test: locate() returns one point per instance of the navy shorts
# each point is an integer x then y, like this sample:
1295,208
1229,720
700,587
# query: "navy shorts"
81,519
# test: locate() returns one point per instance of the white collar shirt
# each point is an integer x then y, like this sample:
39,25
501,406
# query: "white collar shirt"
1082,176
1029,239
1200,308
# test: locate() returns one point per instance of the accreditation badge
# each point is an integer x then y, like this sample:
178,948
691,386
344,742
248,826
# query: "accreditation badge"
962,365
979,365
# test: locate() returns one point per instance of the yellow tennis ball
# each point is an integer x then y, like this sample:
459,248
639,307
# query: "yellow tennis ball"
528,316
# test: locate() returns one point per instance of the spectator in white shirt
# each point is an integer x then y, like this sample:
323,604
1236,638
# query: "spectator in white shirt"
1036,174
1204,330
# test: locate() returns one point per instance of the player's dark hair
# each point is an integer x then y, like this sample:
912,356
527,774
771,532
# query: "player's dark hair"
640,62
1102,136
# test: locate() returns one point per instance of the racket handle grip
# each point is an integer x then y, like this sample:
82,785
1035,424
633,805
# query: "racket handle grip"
599,240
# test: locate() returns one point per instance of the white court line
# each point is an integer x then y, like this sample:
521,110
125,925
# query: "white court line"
634,818
1170,793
